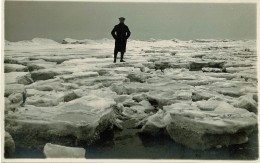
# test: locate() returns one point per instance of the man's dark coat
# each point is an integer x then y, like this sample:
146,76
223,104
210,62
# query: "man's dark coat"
120,33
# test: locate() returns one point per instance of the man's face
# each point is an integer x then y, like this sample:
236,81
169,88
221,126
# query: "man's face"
122,20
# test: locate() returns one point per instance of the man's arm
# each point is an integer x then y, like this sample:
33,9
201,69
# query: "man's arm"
128,33
113,32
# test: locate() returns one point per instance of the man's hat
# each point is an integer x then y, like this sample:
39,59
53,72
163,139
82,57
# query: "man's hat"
121,18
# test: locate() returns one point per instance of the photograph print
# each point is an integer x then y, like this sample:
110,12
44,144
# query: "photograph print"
130,80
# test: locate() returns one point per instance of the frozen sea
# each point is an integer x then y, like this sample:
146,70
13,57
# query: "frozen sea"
172,99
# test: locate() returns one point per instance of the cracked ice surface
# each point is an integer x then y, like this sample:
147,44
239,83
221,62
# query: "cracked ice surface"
194,91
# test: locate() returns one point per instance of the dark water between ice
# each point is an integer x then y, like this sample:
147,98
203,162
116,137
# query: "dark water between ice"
127,144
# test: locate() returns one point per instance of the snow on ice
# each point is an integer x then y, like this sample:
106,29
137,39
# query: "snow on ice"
201,93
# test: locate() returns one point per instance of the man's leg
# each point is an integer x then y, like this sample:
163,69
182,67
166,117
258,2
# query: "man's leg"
115,56
122,57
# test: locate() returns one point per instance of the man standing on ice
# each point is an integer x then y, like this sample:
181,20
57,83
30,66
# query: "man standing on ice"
120,33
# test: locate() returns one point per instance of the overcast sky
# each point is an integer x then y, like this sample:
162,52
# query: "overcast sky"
95,20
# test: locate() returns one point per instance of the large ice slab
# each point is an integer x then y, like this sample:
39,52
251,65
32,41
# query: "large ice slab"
9,145
14,68
80,120
18,78
198,129
58,151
